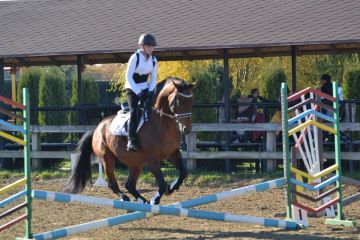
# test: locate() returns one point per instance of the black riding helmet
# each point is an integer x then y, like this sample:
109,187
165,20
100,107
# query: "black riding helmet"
147,39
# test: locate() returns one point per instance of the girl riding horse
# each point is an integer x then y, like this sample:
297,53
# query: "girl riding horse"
160,139
141,64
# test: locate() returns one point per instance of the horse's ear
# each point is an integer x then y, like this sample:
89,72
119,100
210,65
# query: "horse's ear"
177,85
194,85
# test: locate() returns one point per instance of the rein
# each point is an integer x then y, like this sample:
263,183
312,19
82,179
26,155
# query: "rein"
176,116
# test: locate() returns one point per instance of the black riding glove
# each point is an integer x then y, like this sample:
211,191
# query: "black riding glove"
142,95
142,99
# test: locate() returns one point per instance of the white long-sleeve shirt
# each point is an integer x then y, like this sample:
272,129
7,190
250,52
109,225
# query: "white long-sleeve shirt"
145,66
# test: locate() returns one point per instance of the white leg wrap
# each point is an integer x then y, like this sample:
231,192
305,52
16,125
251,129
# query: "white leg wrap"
173,184
153,199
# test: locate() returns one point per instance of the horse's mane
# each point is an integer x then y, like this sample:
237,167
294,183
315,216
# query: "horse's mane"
164,82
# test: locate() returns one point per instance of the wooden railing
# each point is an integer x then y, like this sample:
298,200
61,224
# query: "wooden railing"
270,154
192,153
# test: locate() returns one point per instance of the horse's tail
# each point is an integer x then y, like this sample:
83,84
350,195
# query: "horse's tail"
82,173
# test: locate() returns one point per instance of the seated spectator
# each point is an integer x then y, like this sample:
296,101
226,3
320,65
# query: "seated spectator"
244,112
254,93
247,114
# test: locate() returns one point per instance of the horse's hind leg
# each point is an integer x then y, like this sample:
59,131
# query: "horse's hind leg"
154,167
134,173
178,162
109,161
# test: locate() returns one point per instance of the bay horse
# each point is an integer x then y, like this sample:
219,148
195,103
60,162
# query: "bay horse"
160,138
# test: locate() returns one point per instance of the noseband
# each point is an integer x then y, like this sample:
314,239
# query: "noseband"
176,116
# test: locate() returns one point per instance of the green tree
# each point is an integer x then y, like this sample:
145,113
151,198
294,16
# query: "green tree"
30,78
311,67
51,94
90,91
272,78
68,73
352,86
245,73
209,81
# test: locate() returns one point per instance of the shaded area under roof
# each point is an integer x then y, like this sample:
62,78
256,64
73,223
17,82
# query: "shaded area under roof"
54,32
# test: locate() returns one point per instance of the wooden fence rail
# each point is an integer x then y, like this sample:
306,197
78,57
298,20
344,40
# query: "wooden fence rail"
192,154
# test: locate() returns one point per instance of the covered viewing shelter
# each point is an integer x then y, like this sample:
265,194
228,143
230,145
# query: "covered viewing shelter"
54,32
59,32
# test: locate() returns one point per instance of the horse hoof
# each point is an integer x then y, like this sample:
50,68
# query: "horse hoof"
169,191
125,198
174,186
155,200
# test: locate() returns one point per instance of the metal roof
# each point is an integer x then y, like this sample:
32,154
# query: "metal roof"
43,32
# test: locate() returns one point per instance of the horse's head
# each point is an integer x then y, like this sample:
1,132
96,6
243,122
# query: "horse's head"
175,100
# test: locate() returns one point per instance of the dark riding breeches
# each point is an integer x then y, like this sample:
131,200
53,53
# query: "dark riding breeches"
133,101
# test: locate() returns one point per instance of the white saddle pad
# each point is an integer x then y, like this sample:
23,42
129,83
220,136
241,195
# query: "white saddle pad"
119,125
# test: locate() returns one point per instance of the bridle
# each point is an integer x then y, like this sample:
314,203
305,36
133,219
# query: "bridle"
175,115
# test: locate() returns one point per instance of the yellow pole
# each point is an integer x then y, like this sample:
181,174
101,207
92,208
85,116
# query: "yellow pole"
13,185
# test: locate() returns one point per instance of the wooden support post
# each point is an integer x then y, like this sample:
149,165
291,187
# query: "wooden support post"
2,93
226,79
293,69
80,68
36,146
79,83
271,147
13,90
191,145
2,77
13,83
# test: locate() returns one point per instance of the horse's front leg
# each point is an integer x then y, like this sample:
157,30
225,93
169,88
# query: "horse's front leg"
109,161
178,162
130,185
155,169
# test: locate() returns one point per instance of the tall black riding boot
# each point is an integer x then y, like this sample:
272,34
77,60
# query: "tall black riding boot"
133,144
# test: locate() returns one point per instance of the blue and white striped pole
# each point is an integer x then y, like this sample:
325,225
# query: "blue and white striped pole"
189,203
166,210
12,198
260,187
